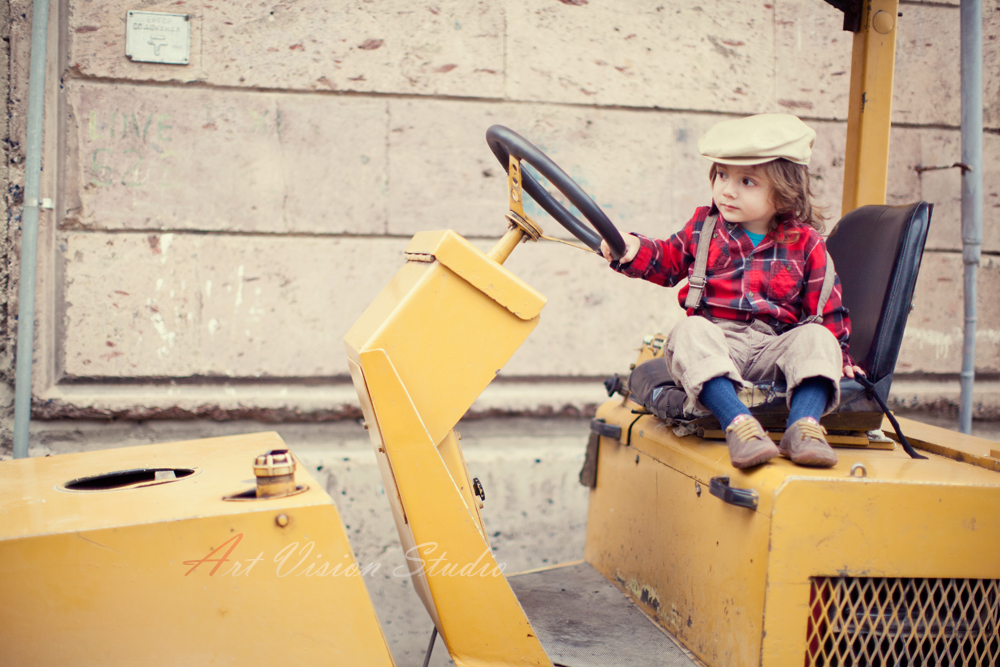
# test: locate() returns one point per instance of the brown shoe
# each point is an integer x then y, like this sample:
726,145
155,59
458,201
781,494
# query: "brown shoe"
804,443
748,443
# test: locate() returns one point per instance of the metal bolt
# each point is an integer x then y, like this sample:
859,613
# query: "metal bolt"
281,520
883,22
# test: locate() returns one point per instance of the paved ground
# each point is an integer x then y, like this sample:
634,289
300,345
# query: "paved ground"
535,509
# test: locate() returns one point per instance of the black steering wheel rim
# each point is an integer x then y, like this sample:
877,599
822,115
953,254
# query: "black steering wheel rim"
505,142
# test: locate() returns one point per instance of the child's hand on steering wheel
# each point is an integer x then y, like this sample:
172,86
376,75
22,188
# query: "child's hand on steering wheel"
632,245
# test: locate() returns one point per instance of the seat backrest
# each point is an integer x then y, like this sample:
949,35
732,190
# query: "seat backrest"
877,251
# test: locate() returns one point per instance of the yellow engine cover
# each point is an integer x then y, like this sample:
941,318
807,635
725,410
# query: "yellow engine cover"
898,567
167,572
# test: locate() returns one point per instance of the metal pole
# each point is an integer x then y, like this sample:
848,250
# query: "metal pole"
972,188
29,227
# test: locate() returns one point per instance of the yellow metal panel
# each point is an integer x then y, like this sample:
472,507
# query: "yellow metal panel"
451,453
406,540
733,583
866,163
172,574
696,565
480,619
446,337
31,505
871,528
419,356
485,274
950,444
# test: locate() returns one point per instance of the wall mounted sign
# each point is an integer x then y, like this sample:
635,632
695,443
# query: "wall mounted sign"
153,37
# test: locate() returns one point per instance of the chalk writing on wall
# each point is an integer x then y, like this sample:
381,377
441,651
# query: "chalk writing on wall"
125,145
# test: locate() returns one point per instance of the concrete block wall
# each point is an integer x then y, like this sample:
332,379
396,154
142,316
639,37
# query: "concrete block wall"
220,225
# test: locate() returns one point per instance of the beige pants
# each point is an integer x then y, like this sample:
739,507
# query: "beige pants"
699,350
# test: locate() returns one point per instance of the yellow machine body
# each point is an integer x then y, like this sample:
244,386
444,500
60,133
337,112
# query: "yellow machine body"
827,561
167,572
419,356
171,572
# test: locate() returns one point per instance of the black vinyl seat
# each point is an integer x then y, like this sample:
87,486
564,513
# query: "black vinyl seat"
876,251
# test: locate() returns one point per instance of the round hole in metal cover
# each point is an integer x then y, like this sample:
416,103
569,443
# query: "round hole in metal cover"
128,479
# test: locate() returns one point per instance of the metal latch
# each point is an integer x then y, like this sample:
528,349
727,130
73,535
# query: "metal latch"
719,487
600,427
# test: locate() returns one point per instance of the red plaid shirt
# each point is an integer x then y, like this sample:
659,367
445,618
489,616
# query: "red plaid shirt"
778,283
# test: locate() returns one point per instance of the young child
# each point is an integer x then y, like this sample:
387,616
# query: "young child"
756,317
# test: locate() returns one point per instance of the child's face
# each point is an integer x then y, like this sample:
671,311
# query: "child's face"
743,196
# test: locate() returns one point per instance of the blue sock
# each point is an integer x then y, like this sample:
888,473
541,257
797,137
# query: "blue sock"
719,396
810,399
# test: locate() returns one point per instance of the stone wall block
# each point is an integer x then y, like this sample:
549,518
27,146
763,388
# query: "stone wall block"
991,191
178,305
696,57
906,153
933,339
448,48
812,59
991,65
200,159
928,86
443,174
96,41
927,147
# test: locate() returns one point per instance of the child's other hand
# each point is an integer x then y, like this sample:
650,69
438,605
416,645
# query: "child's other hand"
632,245
849,371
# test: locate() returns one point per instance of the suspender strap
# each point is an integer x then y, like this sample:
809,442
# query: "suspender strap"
824,294
696,281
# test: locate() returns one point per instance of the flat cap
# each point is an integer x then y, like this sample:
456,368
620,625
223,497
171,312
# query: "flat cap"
759,139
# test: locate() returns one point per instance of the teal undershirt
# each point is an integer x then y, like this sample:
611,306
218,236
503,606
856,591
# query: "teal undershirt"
755,238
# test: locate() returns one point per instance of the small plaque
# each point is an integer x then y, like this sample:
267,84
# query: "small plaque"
153,37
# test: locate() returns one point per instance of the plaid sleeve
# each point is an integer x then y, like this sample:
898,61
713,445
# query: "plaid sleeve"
664,262
835,317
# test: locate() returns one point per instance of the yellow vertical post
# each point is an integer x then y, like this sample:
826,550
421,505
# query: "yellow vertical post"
873,59
515,196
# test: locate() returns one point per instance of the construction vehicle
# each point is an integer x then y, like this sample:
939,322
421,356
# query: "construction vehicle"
165,554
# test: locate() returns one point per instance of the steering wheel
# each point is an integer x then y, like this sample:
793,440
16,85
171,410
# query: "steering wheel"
505,142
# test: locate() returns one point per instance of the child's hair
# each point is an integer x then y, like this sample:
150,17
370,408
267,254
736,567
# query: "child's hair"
790,193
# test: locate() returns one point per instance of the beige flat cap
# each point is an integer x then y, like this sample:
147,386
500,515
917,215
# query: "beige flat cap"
759,139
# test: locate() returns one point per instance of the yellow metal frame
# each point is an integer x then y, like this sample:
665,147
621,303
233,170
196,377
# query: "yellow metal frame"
732,583
419,356
171,573
866,160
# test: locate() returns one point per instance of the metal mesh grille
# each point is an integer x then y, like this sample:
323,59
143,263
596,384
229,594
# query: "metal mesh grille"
877,622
